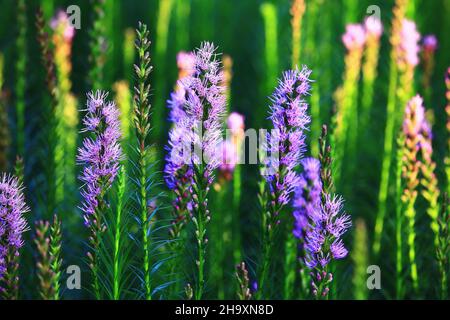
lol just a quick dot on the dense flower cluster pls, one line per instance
(12, 222)
(307, 196)
(101, 152)
(290, 119)
(196, 109)
(323, 238)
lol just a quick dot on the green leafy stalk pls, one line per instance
(97, 44)
(55, 257)
(243, 282)
(44, 271)
(52, 134)
(142, 125)
(393, 113)
(118, 242)
(20, 69)
(443, 248)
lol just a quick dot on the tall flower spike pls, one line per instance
(142, 112)
(100, 155)
(412, 127)
(285, 148)
(327, 225)
(401, 79)
(346, 117)
(201, 130)
(374, 29)
(12, 226)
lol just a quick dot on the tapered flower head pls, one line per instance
(12, 221)
(414, 120)
(327, 224)
(197, 108)
(290, 119)
(101, 151)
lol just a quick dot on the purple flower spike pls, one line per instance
(327, 224)
(290, 120)
(12, 222)
(307, 195)
(101, 153)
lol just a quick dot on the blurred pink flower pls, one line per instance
(61, 20)
(185, 63)
(409, 42)
(229, 156)
(354, 36)
(235, 122)
(373, 26)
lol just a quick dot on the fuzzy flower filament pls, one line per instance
(100, 155)
(12, 226)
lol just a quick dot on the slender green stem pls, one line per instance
(399, 221)
(118, 235)
(387, 157)
(236, 232)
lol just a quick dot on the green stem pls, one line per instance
(236, 234)
(398, 223)
(117, 235)
(387, 154)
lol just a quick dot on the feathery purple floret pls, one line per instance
(327, 224)
(101, 152)
(196, 110)
(307, 196)
(12, 222)
(288, 113)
